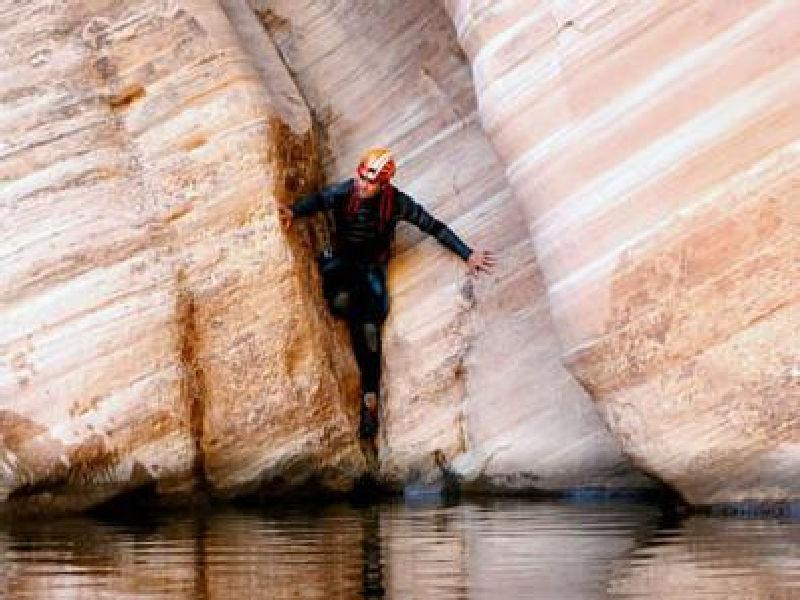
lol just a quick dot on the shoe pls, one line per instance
(368, 427)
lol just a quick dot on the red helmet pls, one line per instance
(377, 166)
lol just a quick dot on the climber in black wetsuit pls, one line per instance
(365, 211)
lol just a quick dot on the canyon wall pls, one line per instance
(155, 326)
(472, 364)
(655, 147)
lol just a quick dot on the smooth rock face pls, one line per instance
(656, 146)
(155, 325)
(472, 365)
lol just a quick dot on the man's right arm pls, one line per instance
(324, 199)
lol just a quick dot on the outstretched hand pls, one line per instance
(286, 217)
(481, 260)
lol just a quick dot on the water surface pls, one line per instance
(494, 550)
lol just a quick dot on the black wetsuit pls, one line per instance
(355, 278)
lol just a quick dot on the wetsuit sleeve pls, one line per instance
(324, 199)
(413, 212)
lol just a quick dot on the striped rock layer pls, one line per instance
(655, 147)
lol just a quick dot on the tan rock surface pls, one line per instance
(155, 323)
(472, 364)
(655, 148)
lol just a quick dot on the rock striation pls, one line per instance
(158, 329)
(655, 149)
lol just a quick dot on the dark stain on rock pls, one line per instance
(81, 407)
(272, 21)
(106, 67)
(295, 160)
(194, 383)
(89, 460)
(16, 429)
(468, 291)
(195, 26)
(126, 96)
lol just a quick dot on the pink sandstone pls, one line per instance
(654, 146)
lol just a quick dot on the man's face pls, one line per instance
(366, 188)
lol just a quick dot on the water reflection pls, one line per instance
(715, 558)
(501, 549)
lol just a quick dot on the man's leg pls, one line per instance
(377, 293)
(376, 306)
(366, 347)
(338, 287)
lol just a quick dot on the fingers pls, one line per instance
(485, 261)
(285, 217)
(479, 267)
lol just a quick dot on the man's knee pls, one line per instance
(341, 303)
(372, 337)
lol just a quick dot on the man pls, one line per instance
(366, 210)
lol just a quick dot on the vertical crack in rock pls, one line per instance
(296, 164)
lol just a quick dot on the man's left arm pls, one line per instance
(413, 212)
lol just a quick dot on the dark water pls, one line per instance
(493, 550)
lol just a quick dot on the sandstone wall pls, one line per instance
(154, 323)
(472, 364)
(155, 326)
(655, 148)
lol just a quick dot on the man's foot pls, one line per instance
(369, 448)
(368, 427)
